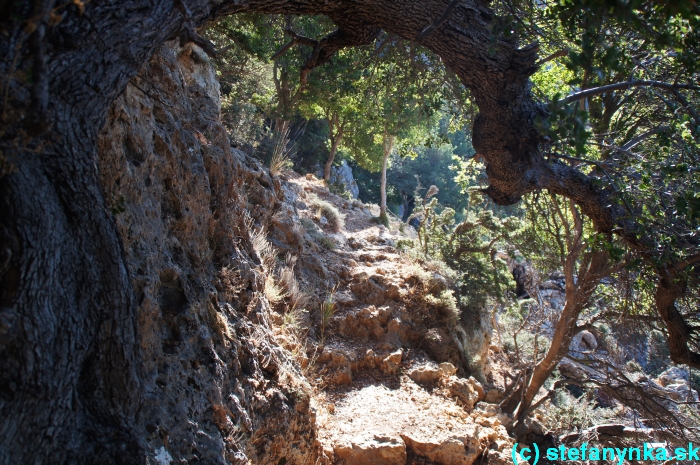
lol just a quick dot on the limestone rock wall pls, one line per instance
(217, 387)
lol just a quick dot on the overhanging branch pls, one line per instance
(621, 86)
(631, 144)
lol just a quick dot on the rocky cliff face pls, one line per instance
(188, 208)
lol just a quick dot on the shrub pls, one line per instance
(335, 219)
(446, 304)
(326, 242)
(570, 414)
(404, 244)
(328, 308)
(308, 225)
(381, 219)
(339, 189)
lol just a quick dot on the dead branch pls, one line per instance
(631, 144)
(616, 430)
(560, 53)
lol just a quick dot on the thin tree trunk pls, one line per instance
(561, 340)
(578, 292)
(331, 156)
(388, 145)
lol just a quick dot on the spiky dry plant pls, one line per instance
(265, 250)
(273, 291)
(281, 155)
(298, 299)
(328, 308)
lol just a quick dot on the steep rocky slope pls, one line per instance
(188, 207)
(232, 269)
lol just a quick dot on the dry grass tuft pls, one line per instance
(265, 250)
(328, 308)
(273, 291)
(281, 155)
(298, 299)
(220, 323)
(326, 209)
(326, 242)
(231, 282)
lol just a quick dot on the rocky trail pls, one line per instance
(392, 386)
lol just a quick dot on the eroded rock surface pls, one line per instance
(187, 205)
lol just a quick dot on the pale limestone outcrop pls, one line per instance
(456, 450)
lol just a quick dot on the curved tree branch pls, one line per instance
(632, 143)
(348, 34)
(621, 86)
(69, 250)
(188, 33)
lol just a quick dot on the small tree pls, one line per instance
(333, 96)
(586, 259)
(400, 101)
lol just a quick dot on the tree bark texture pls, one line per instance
(69, 358)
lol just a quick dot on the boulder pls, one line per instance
(469, 391)
(682, 392)
(447, 369)
(495, 395)
(342, 376)
(584, 341)
(390, 364)
(425, 374)
(673, 375)
(343, 175)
